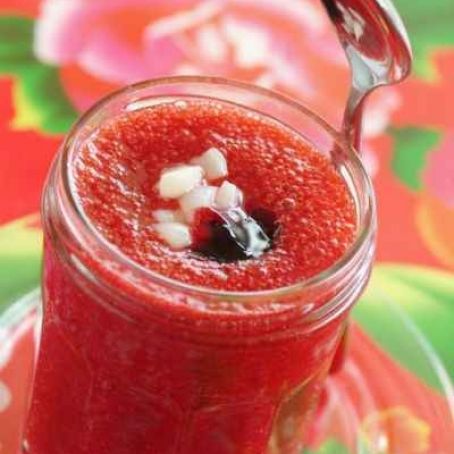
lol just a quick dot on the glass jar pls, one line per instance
(134, 362)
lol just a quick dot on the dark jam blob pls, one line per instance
(267, 221)
(215, 239)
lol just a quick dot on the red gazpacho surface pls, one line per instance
(116, 177)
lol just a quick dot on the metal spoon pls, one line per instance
(246, 232)
(379, 53)
(377, 48)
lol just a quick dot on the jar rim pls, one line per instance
(363, 234)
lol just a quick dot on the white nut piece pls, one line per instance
(213, 162)
(228, 196)
(175, 234)
(199, 197)
(169, 216)
(176, 181)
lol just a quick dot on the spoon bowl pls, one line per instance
(378, 50)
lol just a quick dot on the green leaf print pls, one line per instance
(20, 259)
(411, 147)
(39, 98)
(329, 447)
(403, 302)
(16, 38)
(430, 26)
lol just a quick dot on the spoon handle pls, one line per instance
(353, 118)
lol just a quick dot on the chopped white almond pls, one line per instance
(175, 234)
(199, 197)
(228, 196)
(168, 215)
(176, 181)
(213, 162)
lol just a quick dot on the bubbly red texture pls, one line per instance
(116, 173)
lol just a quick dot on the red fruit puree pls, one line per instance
(179, 373)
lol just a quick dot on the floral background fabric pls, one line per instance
(57, 57)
